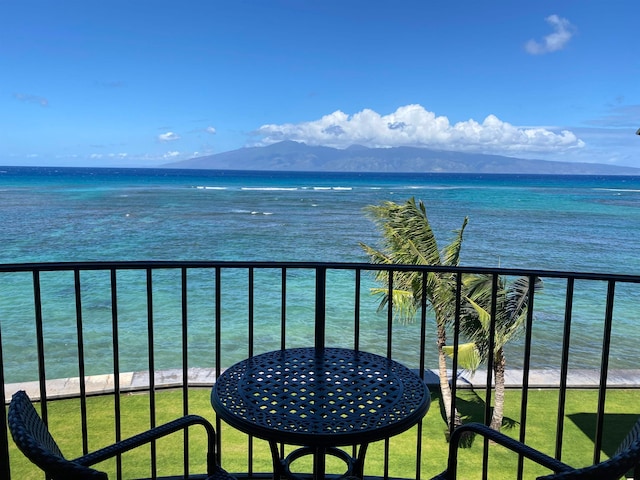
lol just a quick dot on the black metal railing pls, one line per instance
(179, 324)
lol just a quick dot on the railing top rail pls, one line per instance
(189, 264)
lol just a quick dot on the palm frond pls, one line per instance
(451, 253)
(376, 256)
(469, 357)
(484, 317)
(407, 239)
(404, 307)
(511, 303)
(518, 294)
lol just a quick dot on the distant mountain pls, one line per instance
(294, 156)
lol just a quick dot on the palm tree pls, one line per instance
(511, 306)
(408, 239)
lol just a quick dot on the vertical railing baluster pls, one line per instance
(218, 320)
(81, 370)
(389, 354)
(526, 368)
(152, 370)
(490, 355)
(116, 366)
(423, 324)
(218, 342)
(604, 369)
(185, 364)
(421, 365)
(456, 346)
(42, 377)
(356, 326)
(250, 310)
(283, 309)
(184, 311)
(356, 310)
(250, 334)
(5, 470)
(283, 320)
(390, 307)
(321, 307)
(564, 366)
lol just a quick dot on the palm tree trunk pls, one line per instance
(445, 387)
(498, 405)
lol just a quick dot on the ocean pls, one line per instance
(566, 223)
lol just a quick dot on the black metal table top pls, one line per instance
(320, 397)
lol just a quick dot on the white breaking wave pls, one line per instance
(631, 190)
(270, 188)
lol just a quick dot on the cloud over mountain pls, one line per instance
(414, 126)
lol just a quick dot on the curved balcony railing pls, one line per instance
(82, 329)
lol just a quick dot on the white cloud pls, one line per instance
(210, 130)
(172, 154)
(25, 97)
(412, 125)
(98, 156)
(168, 137)
(563, 31)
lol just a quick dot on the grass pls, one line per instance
(579, 432)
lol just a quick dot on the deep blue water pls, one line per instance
(572, 223)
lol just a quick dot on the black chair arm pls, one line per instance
(154, 434)
(501, 439)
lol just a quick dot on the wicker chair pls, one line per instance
(626, 457)
(34, 440)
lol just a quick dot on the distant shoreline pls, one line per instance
(633, 171)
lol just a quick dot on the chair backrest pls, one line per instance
(34, 440)
(626, 458)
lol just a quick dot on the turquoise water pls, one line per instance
(571, 223)
(564, 223)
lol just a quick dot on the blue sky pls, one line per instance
(141, 83)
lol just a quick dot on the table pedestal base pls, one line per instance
(282, 467)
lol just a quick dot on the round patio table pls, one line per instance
(320, 399)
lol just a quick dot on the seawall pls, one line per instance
(205, 378)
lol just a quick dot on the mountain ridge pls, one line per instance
(295, 156)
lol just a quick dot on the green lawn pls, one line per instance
(578, 434)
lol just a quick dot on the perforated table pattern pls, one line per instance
(320, 397)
